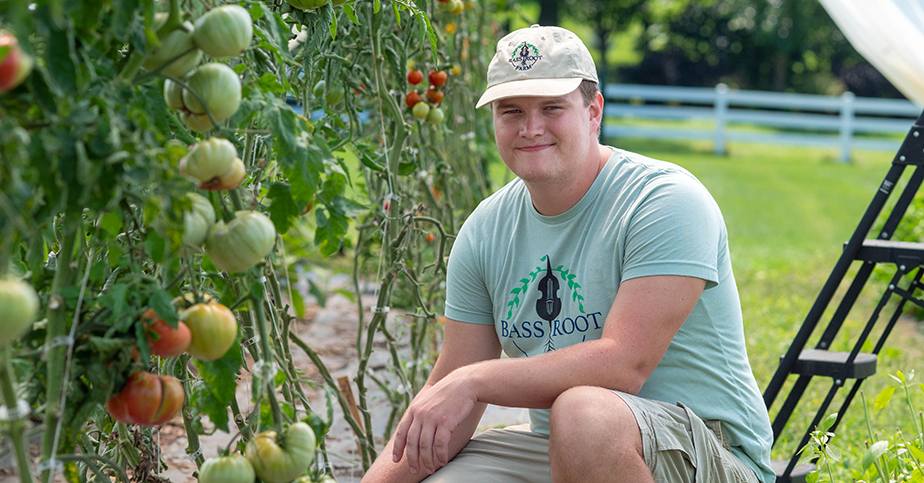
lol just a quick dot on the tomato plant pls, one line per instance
(147, 399)
(104, 213)
(213, 329)
(15, 65)
(280, 458)
(233, 468)
(308, 4)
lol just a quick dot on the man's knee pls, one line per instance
(582, 412)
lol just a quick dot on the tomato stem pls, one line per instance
(17, 425)
(181, 371)
(65, 275)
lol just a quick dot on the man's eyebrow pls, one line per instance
(504, 104)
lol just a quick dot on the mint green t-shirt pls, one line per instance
(547, 282)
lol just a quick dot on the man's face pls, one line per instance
(544, 139)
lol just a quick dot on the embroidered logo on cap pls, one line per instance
(524, 56)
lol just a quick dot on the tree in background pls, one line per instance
(774, 45)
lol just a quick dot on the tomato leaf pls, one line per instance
(283, 209)
(213, 394)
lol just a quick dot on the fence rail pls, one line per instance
(828, 121)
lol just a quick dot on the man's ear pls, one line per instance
(596, 110)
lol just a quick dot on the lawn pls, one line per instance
(788, 212)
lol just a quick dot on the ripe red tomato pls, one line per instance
(412, 98)
(147, 399)
(437, 78)
(213, 328)
(165, 341)
(15, 65)
(430, 237)
(415, 77)
(434, 95)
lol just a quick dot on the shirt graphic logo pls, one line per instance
(524, 56)
(547, 286)
(549, 304)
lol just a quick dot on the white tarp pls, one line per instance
(890, 35)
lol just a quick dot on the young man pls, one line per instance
(605, 277)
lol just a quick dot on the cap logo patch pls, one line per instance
(524, 56)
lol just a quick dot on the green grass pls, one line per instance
(788, 212)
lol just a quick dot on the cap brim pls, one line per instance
(529, 88)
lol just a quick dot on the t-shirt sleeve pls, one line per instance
(467, 297)
(676, 229)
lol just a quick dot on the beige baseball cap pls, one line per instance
(538, 61)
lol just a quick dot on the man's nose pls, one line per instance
(533, 125)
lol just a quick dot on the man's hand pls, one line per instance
(424, 432)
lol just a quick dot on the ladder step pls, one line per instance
(798, 473)
(817, 362)
(910, 254)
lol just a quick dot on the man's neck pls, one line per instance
(552, 199)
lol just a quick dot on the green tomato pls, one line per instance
(233, 468)
(241, 243)
(213, 329)
(197, 220)
(308, 4)
(19, 305)
(173, 95)
(282, 459)
(215, 164)
(173, 44)
(435, 115)
(334, 95)
(224, 31)
(421, 110)
(218, 86)
(318, 89)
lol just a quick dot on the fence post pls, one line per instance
(721, 113)
(847, 115)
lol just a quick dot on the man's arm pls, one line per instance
(463, 344)
(646, 314)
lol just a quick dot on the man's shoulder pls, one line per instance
(641, 165)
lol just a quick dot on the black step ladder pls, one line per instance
(907, 258)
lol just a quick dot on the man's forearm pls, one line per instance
(536, 382)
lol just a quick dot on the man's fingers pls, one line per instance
(412, 447)
(441, 445)
(400, 439)
(425, 444)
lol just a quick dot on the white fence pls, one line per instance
(825, 121)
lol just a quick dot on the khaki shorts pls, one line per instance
(678, 447)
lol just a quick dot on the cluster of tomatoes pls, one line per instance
(426, 106)
(214, 88)
(206, 331)
(454, 7)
